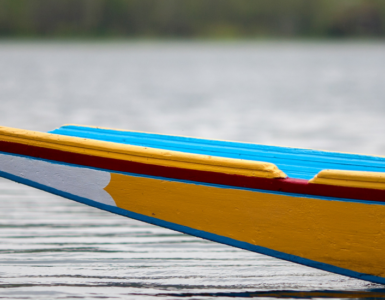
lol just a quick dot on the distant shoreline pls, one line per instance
(192, 19)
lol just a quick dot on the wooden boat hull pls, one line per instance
(264, 213)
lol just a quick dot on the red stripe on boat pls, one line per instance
(288, 185)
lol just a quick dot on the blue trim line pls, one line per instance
(199, 233)
(222, 186)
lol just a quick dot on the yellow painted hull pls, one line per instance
(292, 204)
(344, 234)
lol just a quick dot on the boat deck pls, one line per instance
(295, 162)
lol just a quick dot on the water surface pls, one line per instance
(314, 95)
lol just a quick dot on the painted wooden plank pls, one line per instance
(296, 163)
(368, 180)
(288, 185)
(82, 182)
(141, 154)
(341, 233)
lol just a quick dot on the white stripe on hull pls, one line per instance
(82, 182)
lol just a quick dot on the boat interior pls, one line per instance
(297, 163)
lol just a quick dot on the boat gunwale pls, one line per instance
(295, 162)
(289, 185)
(140, 153)
(248, 145)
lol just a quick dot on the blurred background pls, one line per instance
(192, 18)
(291, 72)
(299, 73)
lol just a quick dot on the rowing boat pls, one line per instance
(317, 208)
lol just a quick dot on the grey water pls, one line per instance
(324, 95)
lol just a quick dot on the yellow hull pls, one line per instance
(320, 209)
(344, 234)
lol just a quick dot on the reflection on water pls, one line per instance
(312, 95)
(372, 294)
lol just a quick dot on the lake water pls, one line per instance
(324, 95)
